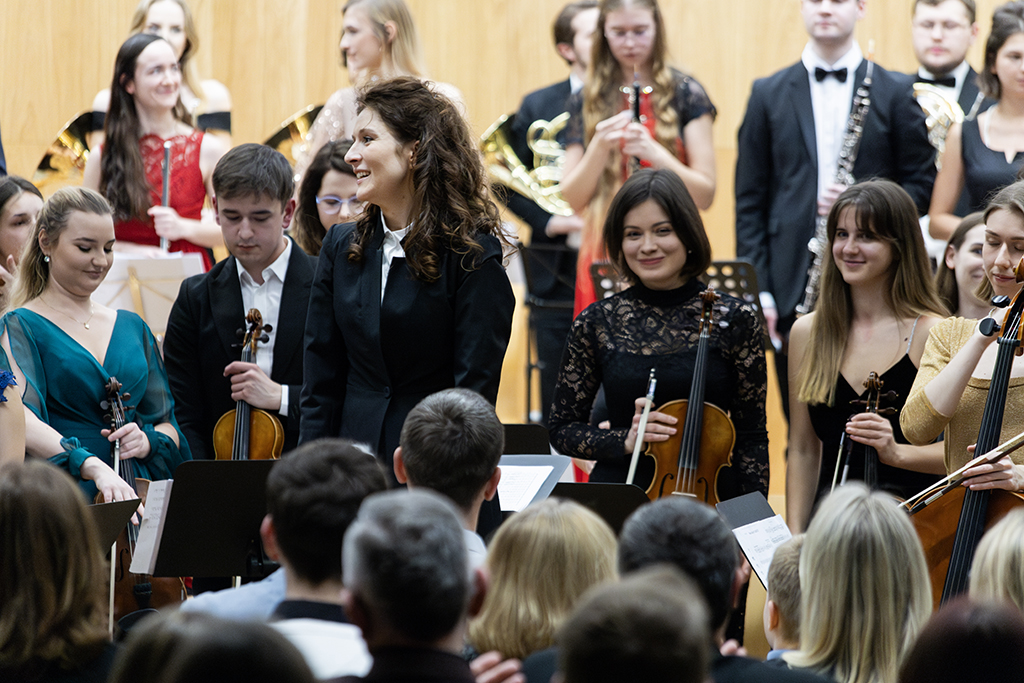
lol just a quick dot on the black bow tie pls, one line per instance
(948, 81)
(821, 74)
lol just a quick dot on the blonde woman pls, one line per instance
(998, 569)
(378, 41)
(540, 562)
(866, 593)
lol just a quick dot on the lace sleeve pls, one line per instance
(692, 101)
(578, 381)
(746, 350)
(574, 127)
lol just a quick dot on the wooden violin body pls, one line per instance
(712, 479)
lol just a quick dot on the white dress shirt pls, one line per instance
(266, 298)
(390, 250)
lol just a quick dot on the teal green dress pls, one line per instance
(65, 386)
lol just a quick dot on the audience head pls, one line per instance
(962, 270)
(406, 571)
(646, 202)
(652, 626)
(451, 442)
(71, 212)
(379, 37)
(20, 203)
(327, 196)
(195, 647)
(943, 31)
(1007, 34)
(574, 29)
(967, 641)
(52, 573)
(313, 494)
(540, 562)
(691, 536)
(426, 165)
(997, 572)
(865, 585)
(1004, 229)
(782, 606)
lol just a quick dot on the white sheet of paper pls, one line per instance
(759, 540)
(152, 527)
(519, 484)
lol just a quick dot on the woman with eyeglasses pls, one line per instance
(603, 142)
(327, 196)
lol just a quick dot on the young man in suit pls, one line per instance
(266, 270)
(788, 153)
(552, 265)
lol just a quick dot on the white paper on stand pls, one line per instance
(519, 484)
(759, 540)
(152, 527)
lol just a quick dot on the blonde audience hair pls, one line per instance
(189, 74)
(784, 579)
(541, 561)
(866, 592)
(884, 210)
(403, 51)
(33, 269)
(997, 572)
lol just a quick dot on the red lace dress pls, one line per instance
(187, 192)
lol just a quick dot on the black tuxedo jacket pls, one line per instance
(368, 363)
(202, 339)
(777, 170)
(554, 275)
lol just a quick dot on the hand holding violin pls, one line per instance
(250, 384)
(659, 426)
(134, 442)
(871, 429)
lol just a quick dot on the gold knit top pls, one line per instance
(922, 424)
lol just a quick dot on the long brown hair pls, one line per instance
(452, 201)
(945, 278)
(123, 178)
(883, 209)
(51, 571)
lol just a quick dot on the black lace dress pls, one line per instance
(616, 342)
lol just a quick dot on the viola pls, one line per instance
(132, 595)
(248, 433)
(951, 528)
(871, 403)
(696, 460)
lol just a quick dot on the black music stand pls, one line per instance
(613, 503)
(212, 525)
(111, 519)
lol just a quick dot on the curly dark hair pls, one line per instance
(452, 201)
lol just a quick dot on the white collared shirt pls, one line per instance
(266, 298)
(575, 83)
(830, 102)
(390, 250)
(959, 73)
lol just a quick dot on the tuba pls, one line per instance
(941, 112)
(541, 185)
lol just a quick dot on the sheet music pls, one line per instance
(519, 484)
(759, 540)
(152, 527)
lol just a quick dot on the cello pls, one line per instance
(249, 433)
(696, 460)
(132, 596)
(951, 527)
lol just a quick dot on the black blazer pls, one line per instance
(201, 340)
(777, 170)
(368, 363)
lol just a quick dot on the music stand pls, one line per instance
(212, 525)
(148, 286)
(111, 519)
(613, 503)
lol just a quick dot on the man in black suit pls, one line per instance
(552, 266)
(266, 270)
(788, 153)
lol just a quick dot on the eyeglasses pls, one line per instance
(945, 26)
(331, 205)
(621, 35)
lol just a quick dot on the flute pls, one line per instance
(165, 197)
(648, 402)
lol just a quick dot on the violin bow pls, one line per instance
(648, 402)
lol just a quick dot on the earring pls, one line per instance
(46, 259)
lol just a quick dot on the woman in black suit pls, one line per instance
(412, 298)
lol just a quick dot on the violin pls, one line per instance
(248, 433)
(952, 526)
(132, 595)
(871, 403)
(696, 460)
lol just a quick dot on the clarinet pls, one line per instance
(818, 244)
